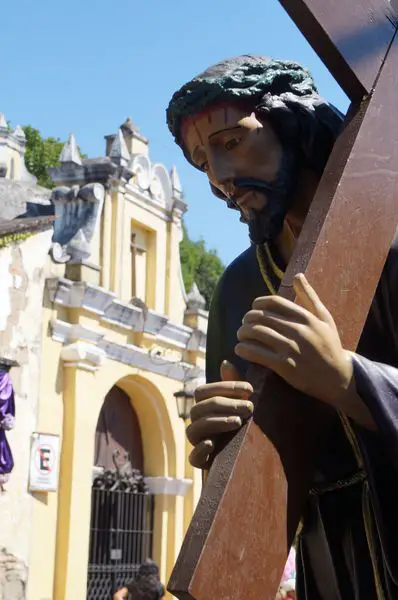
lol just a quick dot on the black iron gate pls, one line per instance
(120, 532)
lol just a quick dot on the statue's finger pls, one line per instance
(282, 307)
(228, 372)
(218, 406)
(200, 455)
(210, 427)
(309, 299)
(229, 389)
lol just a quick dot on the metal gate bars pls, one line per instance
(120, 532)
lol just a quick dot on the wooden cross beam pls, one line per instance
(241, 532)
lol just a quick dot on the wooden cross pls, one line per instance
(241, 532)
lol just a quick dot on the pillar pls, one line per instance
(81, 409)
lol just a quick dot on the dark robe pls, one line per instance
(348, 545)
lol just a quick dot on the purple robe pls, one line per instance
(7, 418)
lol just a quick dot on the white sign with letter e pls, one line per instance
(44, 463)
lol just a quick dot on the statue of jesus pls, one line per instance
(262, 135)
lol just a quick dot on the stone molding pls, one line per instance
(168, 486)
(150, 181)
(128, 354)
(104, 304)
(83, 356)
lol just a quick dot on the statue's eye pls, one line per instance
(232, 143)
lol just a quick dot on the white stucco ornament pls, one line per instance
(156, 189)
(168, 486)
(152, 179)
(78, 212)
(83, 355)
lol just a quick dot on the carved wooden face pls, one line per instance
(229, 143)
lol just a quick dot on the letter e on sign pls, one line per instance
(44, 463)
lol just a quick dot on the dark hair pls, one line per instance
(148, 568)
(282, 92)
(146, 585)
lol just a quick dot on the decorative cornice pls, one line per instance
(180, 335)
(104, 304)
(83, 356)
(64, 332)
(126, 480)
(197, 341)
(143, 200)
(128, 354)
(142, 359)
(168, 486)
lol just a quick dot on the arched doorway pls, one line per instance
(118, 433)
(121, 508)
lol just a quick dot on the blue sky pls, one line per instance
(84, 66)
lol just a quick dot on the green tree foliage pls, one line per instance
(200, 265)
(41, 153)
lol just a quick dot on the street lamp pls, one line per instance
(185, 401)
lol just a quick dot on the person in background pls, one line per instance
(287, 588)
(146, 586)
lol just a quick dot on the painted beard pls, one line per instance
(266, 224)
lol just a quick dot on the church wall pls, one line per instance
(164, 290)
(155, 229)
(92, 338)
(10, 154)
(106, 242)
(71, 401)
(45, 508)
(95, 257)
(22, 280)
(175, 302)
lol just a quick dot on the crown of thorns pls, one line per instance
(272, 87)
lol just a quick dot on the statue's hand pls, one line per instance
(299, 343)
(220, 408)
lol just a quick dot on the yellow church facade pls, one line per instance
(119, 338)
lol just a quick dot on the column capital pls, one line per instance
(82, 355)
